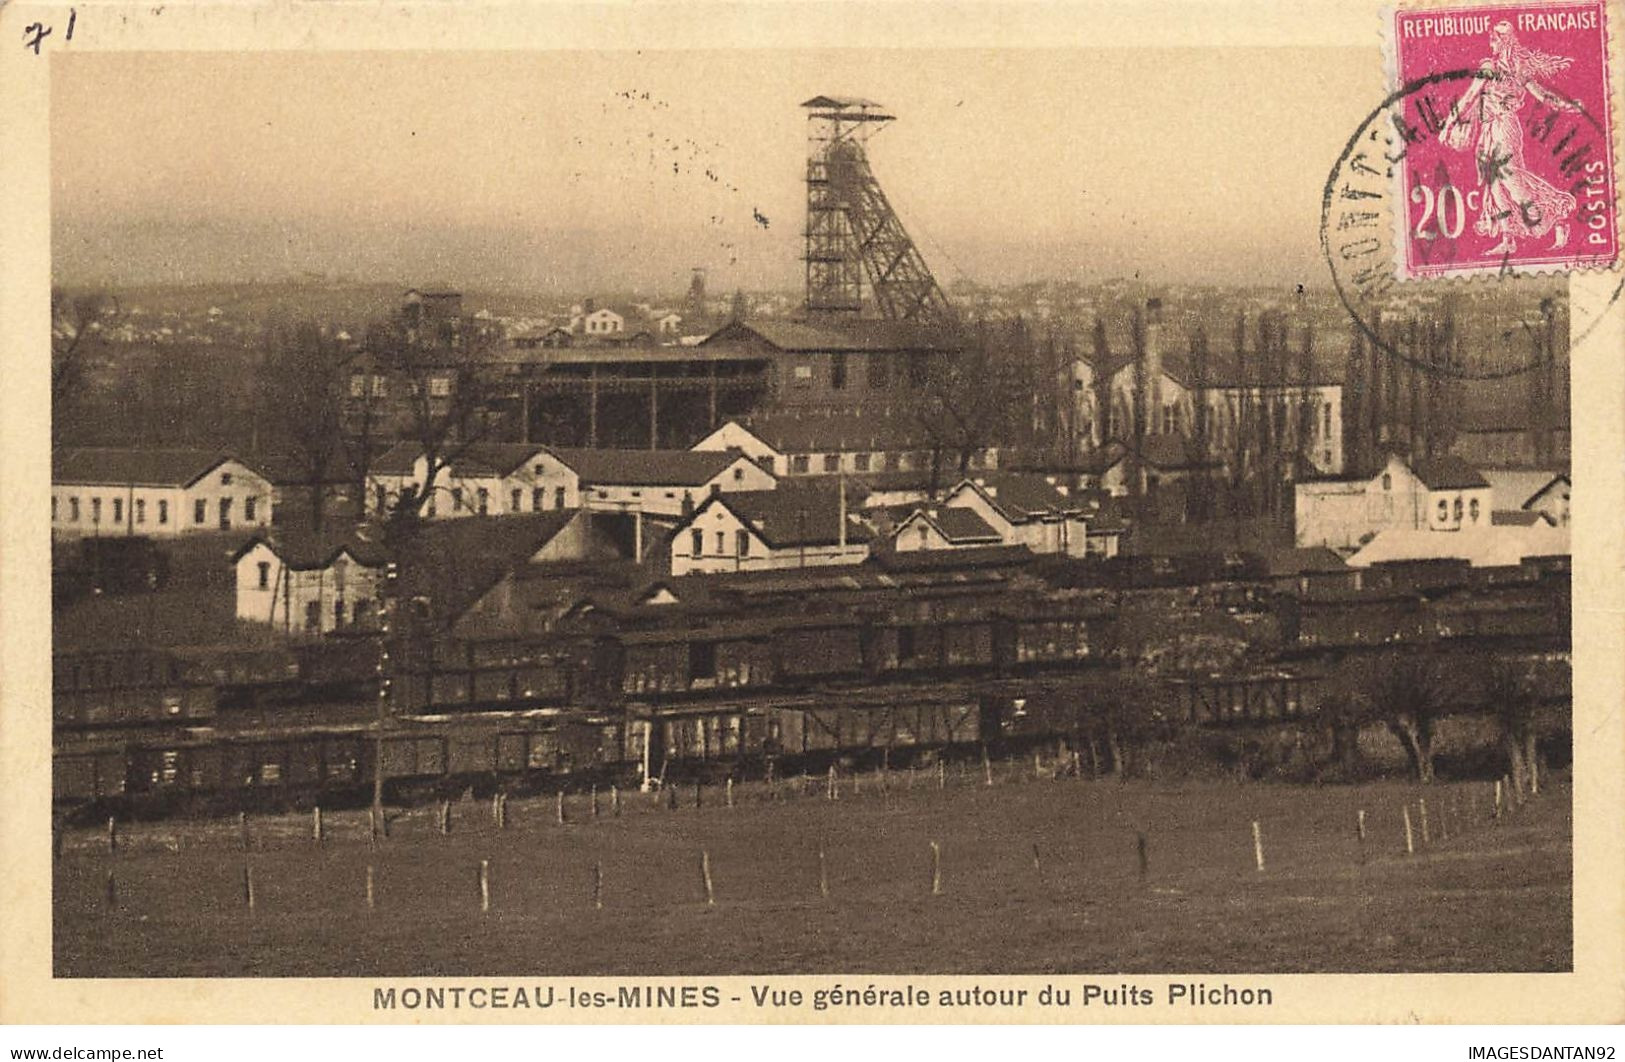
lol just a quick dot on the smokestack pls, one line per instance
(1153, 366)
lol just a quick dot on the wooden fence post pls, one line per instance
(112, 834)
(317, 833)
(987, 766)
(1444, 817)
(1422, 810)
(598, 885)
(823, 875)
(829, 792)
(1038, 866)
(1359, 825)
(372, 901)
(1258, 847)
(942, 774)
(558, 807)
(936, 869)
(1498, 799)
(248, 884)
(595, 800)
(1038, 766)
(705, 874)
(730, 791)
(614, 800)
(698, 784)
(110, 891)
(242, 830)
(485, 885)
(1410, 845)
(1142, 844)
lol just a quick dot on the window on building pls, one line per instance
(742, 543)
(265, 574)
(516, 500)
(358, 386)
(837, 372)
(313, 615)
(225, 479)
(456, 499)
(798, 464)
(1387, 481)
(1326, 420)
(1444, 509)
(558, 497)
(484, 501)
(53, 508)
(250, 508)
(922, 533)
(1472, 510)
(141, 510)
(804, 372)
(95, 510)
(439, 386)
(832, 462)
(702, 660)
(697, 543)
(538, 499)
(380, 387)
(118, 510)
(225, 514)
(861, 462)
(163, 512)
(338, 612)
(739, 473)
(722, 542)
(894, 461)
(879, 372)
(73, 510)
(1458, 509)
(200, 511)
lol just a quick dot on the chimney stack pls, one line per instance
(1153, 366)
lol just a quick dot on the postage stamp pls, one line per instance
(1509, 162)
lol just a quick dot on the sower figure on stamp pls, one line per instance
(1516, 202)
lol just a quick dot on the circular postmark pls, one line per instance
(1360, 217)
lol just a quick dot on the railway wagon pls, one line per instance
(88, 774)
(719, 656)
(124, 687)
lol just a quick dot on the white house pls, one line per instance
(938, 527)
(600, 322)
(663, 483)
(158, 492)
(1026, 510)
(734, 436)
(486, 479)
(816, 442)
(1490, 546)
(1427, 494)
(792, 527)
(309, 585)
(1522, 490)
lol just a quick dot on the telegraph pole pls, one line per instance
(386, 607)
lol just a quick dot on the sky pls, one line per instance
(569, 171)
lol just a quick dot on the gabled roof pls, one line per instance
(1303, 560)
(398, 460)
(495, 459)
(648, 468)
(956, 525)
(796, 514)
(157, 467)
(1514, 488)
(455, 562)
(304, 550)
(1022, 496)
(1171, 453)
(1447, 472)
(1517, 518)
(806, 338)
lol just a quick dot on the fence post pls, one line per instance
(248, 884)
(705, 873)
(242, 829)
(614, 800)
(595, 800)
(1410, 845)
(829, 792)
(1258, 847)
(558, 807)
(1359, 825)
(112, 833)
(942, 774)
(1142, 844)
(730, 791)
(1444, 817)
(110, 891)
(485, 885)
(987, 766)
(371, 898)
(936, 869)
(698, 784)
(1038, 866)
(598, 885)
(1498, 800)
(317, 833)
(823, 875)
(1422, 809)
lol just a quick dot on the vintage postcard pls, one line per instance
(801, 513)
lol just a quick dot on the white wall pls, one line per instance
(140, 507)
(284, 597)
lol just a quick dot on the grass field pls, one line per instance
(1036, 876)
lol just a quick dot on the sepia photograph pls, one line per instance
(1068, 528)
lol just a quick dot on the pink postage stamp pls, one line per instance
(1508, 162)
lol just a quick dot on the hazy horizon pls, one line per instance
(569, 171)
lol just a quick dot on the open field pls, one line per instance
(1490, 897)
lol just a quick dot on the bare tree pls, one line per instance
(76, 325)
(300, 384)
(973, 388)
(1512, 697)
(1407, 692)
